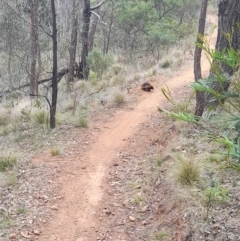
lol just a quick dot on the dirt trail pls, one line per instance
(81, 177)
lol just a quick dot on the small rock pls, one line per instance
(36, 232)
(131, 218)
(25, 234)
(54, 208)
(13, 236)
(144, 222)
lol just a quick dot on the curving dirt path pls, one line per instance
(80, 179)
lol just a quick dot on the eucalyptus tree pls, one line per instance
(13, 45)
(83, 69)
(73, 44)
(147, 27)
(53, 106)
(197, 58)
(228, 37)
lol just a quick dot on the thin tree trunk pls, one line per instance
(93, 30)
(10, 60)
(228, 20)
(73, 47)
(83, 71)
(53, 106)
(33, 48)
(39, 61)
(109, 30)
(197, 59)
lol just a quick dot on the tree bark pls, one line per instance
(93, 30)
(33, 48)
(197, 59)
(73, 46)
(228, 20)
(53, 106)
(83, 71)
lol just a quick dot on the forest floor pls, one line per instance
(113, 180)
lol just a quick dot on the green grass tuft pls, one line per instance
(166, 64)
(40, 117)
(82, 122)
(7, 163)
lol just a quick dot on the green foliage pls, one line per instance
(40, 117)
(155, 24)
(21, 210)
(215, 195)
(137, 200)
(161, 236)
(166, 64)
(99, 62)
(223, 127)
(7, 163)
(82, 122)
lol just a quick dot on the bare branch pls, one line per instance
(98, 5)
(50, 35)
(94, 92)
(98, 17)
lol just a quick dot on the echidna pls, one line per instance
(146, 86)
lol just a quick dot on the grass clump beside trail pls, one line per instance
(40, 117)
(55, 151)
(7, 163)
(118, 98)
(188, 172)
(82, 122)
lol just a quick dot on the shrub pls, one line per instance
(99, 62)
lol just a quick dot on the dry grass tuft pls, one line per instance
(118, 98)
(82, 122)
(55, 151)
(188, 172)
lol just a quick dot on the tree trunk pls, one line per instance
(73, 46)
(197, 59)
(10, 53)
(53, 106)
(83, 71)
(33, 48)
(109, 31)
(228, 20)
(93, 30)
